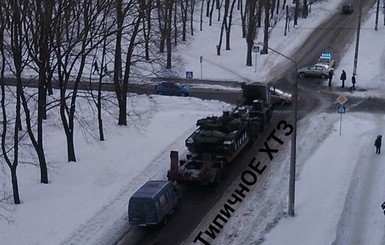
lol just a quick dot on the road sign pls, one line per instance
(189, 74)
(256, 48)
(341, 109)
(342, 99)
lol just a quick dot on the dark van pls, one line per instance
(153, 203)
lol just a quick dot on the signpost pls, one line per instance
(189, 74)
(341, 109)
(256, 51)
(201, 61)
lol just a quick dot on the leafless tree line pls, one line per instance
(65, 40)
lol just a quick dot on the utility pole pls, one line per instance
(293, 154)
(377, 13)
(357, 39)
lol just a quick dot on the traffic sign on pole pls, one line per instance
(189, 74)
(342, 99)
(341, 109)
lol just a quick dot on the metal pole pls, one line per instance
(293, 153)
(340, 122)
(357, 39)
(201, 61)
(255, 70)
(293, 149)
(377, 13)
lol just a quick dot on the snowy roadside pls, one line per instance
(110, 222)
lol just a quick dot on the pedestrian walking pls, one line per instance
(377, 144)
(343, 78)
(96, 67)
(330, 77)
(353, 87)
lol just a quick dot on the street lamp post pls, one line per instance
(357, 39)
(293, 136)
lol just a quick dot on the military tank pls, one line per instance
(217, 141)
(216, 135)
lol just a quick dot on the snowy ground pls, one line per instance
(340, 183)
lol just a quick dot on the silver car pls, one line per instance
(317, 70)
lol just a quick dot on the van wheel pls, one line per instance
(177, 206)
(225, 170)
(165, 219)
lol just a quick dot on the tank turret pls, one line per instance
(217, 134)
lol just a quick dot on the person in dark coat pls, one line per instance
(96, 67)
(353, 87)
(383, 207)
(377, 144)
(343, 78)
(330, 77)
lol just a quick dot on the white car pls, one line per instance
(326, 59)
(279, 97)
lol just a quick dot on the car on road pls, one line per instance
(277, 96)
(171, 88)
(153, 203)
(326, 58)
(317, 70)
(347, 8)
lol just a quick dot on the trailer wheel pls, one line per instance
(177, 206)
(165, 219)
(218, 177)
(225, 170)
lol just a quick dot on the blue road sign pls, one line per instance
(341, 109)
(189, 74)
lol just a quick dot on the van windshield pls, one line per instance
(140, 206)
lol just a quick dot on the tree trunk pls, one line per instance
(15, 185)
(266, 28)
(170, 4)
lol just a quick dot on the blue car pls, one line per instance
(153, 203)
(170, 88)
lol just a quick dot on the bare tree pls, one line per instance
(266, 27)
(37, 35)
(229, 23)
(296, 10)
(16, 49)
(192, 8)
(184, 6)
(169, 8)
(251, 20)
(136, 12)
(75, 29)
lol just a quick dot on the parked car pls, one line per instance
(152, 203)
(279, 97)
(170, 88)
(326, 58)
(347, 8)
(317, 70)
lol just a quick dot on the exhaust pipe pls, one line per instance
(174, 156)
